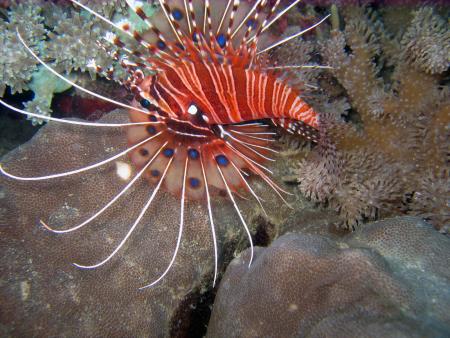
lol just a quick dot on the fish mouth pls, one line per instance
(188, 129)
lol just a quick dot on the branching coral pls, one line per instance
(426, 43)
(16, 64)
(396, 144)
(79, 33)
(431, 198)
(63, 36)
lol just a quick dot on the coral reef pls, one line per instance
(385, 117)
(395, 142)
(388, 279)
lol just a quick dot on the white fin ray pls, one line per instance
(246, 18)
(136, 222)
(293, 36)
(258, 199)
(116, 26)
(247, 230)
(180, 230)
(80, 170)
(78, 123)
(266, 25)
(211, 220)
(123, 191)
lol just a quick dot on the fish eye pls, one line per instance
(192, 110)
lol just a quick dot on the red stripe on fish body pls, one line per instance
(228, 94)
(204, 85)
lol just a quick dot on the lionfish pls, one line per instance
(195, 124)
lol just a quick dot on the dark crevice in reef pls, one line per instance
(13, 133)
(265, 232)
(192, 316)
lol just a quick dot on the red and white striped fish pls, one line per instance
(195, 124)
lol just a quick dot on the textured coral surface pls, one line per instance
(39, 284)
(391, 279)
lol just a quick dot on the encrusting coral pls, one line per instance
(64, 299)
(392, 156)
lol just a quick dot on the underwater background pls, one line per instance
(364, 252)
